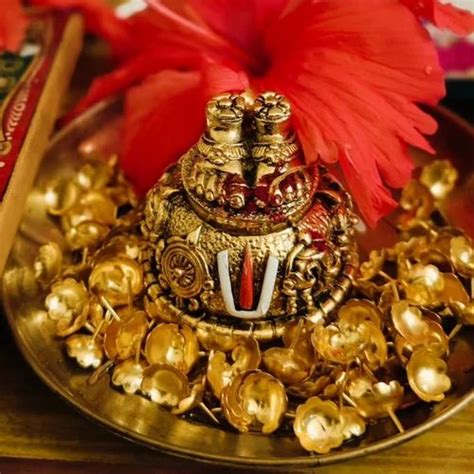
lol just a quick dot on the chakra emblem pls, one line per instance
(183, 269)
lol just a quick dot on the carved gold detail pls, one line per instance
(183, 269)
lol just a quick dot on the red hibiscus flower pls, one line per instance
(352, 70)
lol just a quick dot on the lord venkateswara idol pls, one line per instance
(242, 236)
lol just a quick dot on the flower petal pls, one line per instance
(443, 15)
(13, 23)
(134, 70)
(241, 21)
(353, 72)
(164, 117)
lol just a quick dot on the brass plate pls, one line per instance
(138, 419)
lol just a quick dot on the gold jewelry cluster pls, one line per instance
(326, 377)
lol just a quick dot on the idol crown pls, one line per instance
(248, 162)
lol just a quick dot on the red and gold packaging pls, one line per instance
(32, 84)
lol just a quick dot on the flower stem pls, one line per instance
(368, 371)
(97, 330)
(85, 252)
(100, 372)
(395, 420)
(349, 400)
(386, 276)
(394, 287)
(129, 293)
(109, 307)
(209, 413)
(299, 329)
(455, 330)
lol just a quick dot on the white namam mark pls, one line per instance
(268, 286)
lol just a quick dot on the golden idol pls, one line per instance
(241, 236)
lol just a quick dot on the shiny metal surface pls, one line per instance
(138, 419)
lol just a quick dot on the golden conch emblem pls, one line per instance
(243, 237)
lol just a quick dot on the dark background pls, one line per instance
(460, 98)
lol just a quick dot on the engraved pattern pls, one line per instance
(183, 270)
